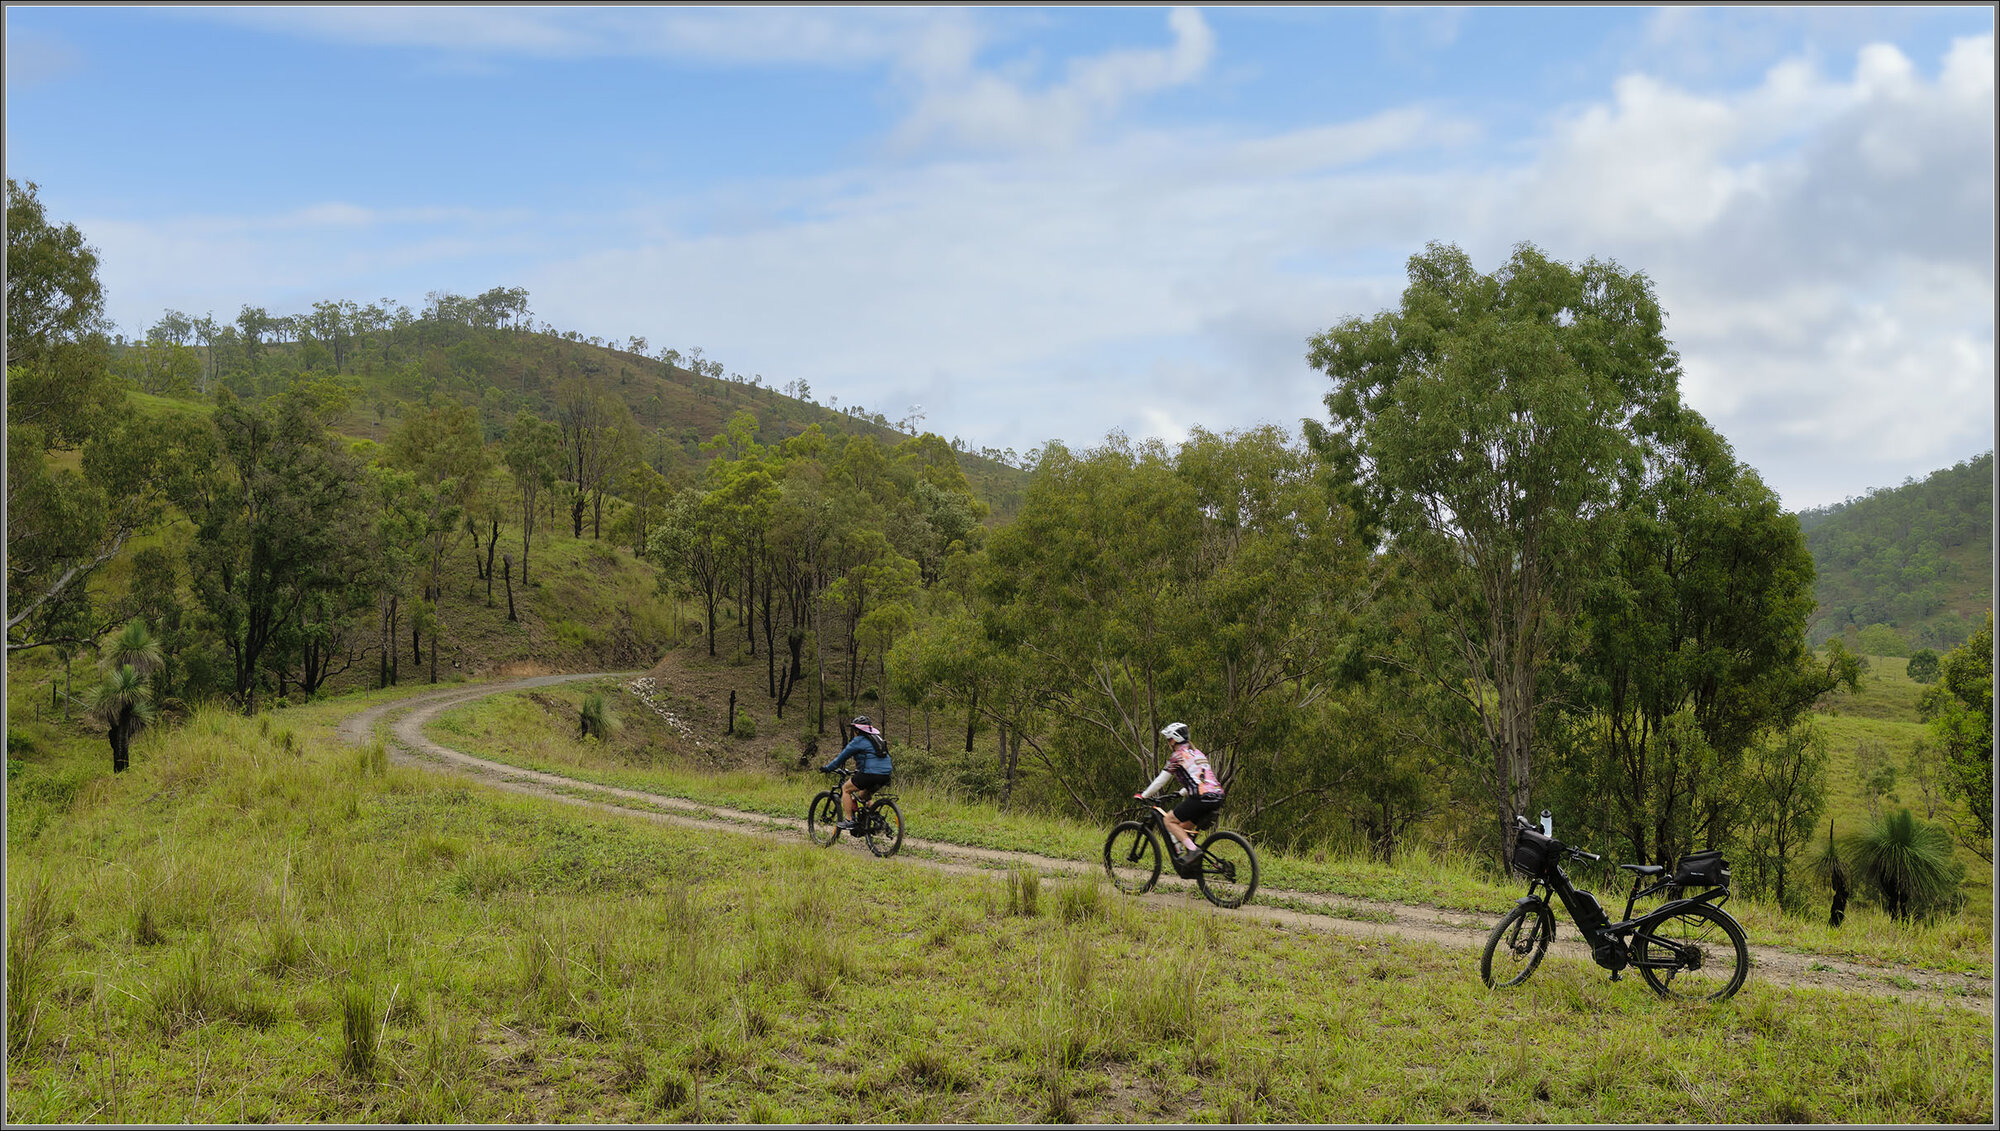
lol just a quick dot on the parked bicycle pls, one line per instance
(1686, 948)
(1225, 868)
(877, 821)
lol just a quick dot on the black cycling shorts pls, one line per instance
(870, 782)
(1195, 811)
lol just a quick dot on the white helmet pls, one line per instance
(1174, 732)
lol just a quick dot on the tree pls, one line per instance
(1785, 784)
(58, 357)
(1691, 650)
(533, 452)
(687, 546)
(275, 524)
(443, 447)
(598, 440)
(1484, 421)
(1923, 666)
(64, 523)
(1959, 709)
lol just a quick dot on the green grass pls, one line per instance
(258, 925)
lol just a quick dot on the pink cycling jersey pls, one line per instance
(1195, 774)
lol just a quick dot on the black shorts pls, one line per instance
(1194, 811)
(869, 783)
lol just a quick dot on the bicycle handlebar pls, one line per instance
(1568, 849)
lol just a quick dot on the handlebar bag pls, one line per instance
(1534, 853)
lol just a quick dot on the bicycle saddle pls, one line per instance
(1643, 869)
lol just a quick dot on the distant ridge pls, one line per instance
(1905, 567)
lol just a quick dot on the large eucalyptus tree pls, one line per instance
(1485, 421)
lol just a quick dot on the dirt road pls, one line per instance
(1359, 920)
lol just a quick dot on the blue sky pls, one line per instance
(1049, 223)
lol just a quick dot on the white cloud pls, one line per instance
(963, 104)
(1824, 249)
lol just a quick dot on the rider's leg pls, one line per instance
(1183, 834)
(847, 799)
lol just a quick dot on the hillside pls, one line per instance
(1916, 560)
(677, 403)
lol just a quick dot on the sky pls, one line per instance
(1032, 224)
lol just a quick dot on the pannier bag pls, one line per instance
(1702, 870)
(1534, 853)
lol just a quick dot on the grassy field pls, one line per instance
(259, 925)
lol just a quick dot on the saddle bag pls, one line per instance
(1701, 870)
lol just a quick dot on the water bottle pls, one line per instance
(1548, 823)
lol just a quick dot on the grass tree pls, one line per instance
(594, 718)
(135, 645)
(123, 703)
(1904, 862)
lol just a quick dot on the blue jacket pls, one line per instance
(866, 759)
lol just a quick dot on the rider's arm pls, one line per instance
(845, 753)
(1165, 777)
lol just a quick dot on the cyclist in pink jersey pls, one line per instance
(1198, 781)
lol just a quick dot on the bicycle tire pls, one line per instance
(1227, 870)
(820, 818)
(885, 827)
(1132, 857)
(1524, 948)
(1692, 931)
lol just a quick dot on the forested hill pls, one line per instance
(487, 352)
(1906, 567)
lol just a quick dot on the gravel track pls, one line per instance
(1354, 922)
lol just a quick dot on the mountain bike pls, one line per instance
(1224, 865)
(1686, 948)
(877, 821)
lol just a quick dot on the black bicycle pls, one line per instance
(1686, 948)
(1225, 867)
(877, 821)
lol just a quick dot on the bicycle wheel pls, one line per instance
(1697, 953)
(885, 828)
(1516, 945)
(1228, 870)
(820, 818)
(1132, 858)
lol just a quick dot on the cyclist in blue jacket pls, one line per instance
(870, 752)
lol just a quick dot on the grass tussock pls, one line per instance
(1024, 892)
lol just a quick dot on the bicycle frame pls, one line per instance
(861, 796)
(1615, 934)
(1158, 817)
